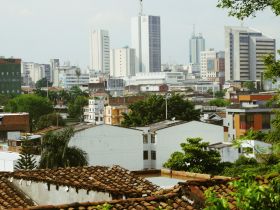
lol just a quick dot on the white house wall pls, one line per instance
(111, 145)
(39, 193)
(168, 140)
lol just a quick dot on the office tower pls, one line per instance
(212, 65)
(100, 51)
(33, 72)
(245, 49)
(10, 76)
(196, 45)
(122, 62)
(146, 40)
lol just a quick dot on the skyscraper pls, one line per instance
(245, 49)
(197, 45)
(122, 62)
(100, 51)
(146, 40)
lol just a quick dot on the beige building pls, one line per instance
(113, 114)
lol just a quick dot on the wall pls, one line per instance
(39, 193)
(111, 145)
(8, 160)
(168, 140)
(15, 122)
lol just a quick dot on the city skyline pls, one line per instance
(38, 31)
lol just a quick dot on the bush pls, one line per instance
(49, 120)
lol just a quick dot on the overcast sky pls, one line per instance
(38, 30)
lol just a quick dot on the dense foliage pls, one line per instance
(35, 105)
(219, 102)
(43, 83)
(153, 108)
(50, 119)
(196, 157)
(249, 194)
(246, 8)
(57, 153)
(75, 108)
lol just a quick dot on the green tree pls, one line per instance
(35, 105)
(196, 157)
(75, 108)
(246, 8)
(57, 153)
(248, 194)
(78, 74)
(49, 120)
(153, 109)
(219, 102)
(26, 160)
(249, 85)
(43, 83)
(219, 94)
(4, 99)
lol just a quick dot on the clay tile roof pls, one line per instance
(114, 180)
(10, 197)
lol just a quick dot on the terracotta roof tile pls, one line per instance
(115, 180)
(10, 197)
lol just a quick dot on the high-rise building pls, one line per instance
(245, 49)
(146, 40)
(10, 76)
(33, 72)
(196, 46)
(212, 65)
(100, 51)
(122, 62)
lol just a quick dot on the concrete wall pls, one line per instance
(8, 160)
(111, 145)
(39, 193)
(168, 140)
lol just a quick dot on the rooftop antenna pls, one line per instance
(141, 8)
(193, 29)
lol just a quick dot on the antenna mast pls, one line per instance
(141, 7)
(193, 29)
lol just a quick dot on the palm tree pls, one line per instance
(78, 74)
(56, 152)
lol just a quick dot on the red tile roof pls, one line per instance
(10, 197)
(115, 180)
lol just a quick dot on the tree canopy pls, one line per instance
(35, 105)
(153, 109)
(43, 83)
(57, 153)
(245, 8)
(26, 159)
(196, 157)
(219, 102)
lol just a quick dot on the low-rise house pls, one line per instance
(141, 148)
(11, 124)
(68, 185)
(113, 115)
(93, 113)
(247, 115)
(247, 148)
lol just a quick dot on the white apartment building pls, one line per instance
(33, 72)
(100, 51)
(146, 40)
(141, 148)
(244, 52)
(122, 62)
(155, 78)
(94, 112)
(208, 66)
(66, 77)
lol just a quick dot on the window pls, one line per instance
(266, 121)
(246, 121)
(153, 155)
(145, 138)
(153, 138)
(145, 155)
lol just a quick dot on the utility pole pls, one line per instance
(141, 8)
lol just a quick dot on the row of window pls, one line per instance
(146, 155)
(146, 141)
